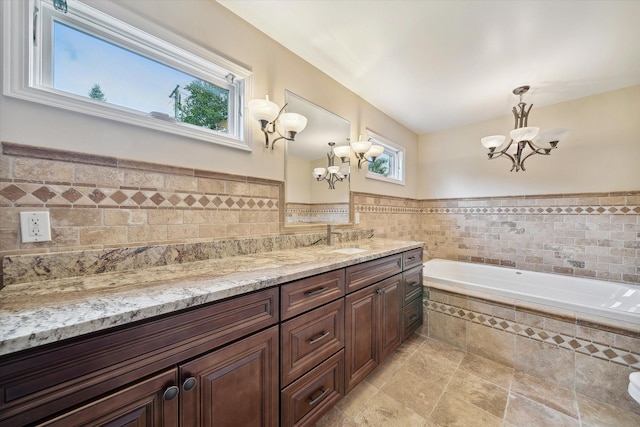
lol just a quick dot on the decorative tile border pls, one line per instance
(588, 347)
(537, 210)
(76, 195)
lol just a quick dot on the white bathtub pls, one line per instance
(594, 297)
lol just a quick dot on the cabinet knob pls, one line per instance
(170, 393)
(380, 291)
(189, 384)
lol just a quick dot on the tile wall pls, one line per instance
(98, 202)
(594, 360)
(337, 213)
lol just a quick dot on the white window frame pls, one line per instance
(396, 152)
(23, 77)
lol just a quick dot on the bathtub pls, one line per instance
(599, 298)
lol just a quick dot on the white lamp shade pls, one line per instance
(342, 151)
(263, 109)
(333, 169)
(493, 141)
(547, 136)
(318, 172)
(524, 134)
(375, 151)
(361, 147)
(292, 122)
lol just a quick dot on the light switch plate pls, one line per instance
(35, 226)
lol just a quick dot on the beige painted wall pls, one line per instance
(602, 153)
(274, 70)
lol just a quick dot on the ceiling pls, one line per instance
(434, 65)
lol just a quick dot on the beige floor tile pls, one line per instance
(481, 393)
(336, 418)
(548, 394)
(524, 412)
(594, 413)
(416, 393)
(385, 372)
(453, 412)
(354, 401)
(383, 410)
(487, 369)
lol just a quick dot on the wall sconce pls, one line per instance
(365, 152)
(525, 140)
(273, 120)
(333, 173)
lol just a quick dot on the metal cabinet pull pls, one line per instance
(380, 291)
(189, 384)
(413, 317)
(317, 291)
(411, 258)
(414, 284)
(170, 393)
(321, 337)
(319, 398)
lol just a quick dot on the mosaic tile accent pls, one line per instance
(524, 210)
(581, 345)
(320, 212)
(79, 195)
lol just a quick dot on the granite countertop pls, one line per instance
(42, 312)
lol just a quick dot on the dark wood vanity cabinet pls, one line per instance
(244, 361)
(375, 313)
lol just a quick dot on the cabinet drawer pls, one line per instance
(33, 382)
(411, 258)
(307, 399)
(367, 273)
(411, 284)
(412, 317)
(306, 294)
(309, 339)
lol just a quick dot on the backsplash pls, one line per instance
(337, 213)
(98, 202)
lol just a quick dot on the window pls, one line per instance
(86, 60)
(389, 166)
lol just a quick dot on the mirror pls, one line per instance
(307, 200)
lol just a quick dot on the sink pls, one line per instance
(348, 251)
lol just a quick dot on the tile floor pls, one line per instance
(430, 383)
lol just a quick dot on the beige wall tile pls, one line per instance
(102, 235)
(198, 217)
(543, 360)
(181, 183)
(212, 231)
(490, 343)
(99, 175)
(6, 167)
(70, 217)
(147, 233)
(449, 329)
(9, 240)
(239, 229)
(210, 186)
(42, 170)
(142, 179)
(178, 232)
(165, 216)
(236, 188)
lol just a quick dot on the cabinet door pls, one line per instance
(361, 338)
(234, 386)
(149, 403)
(390, 325)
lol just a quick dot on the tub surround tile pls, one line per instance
(41, 312)
(490, 343)
(544, 361)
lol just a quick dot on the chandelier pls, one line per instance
(525, 140)
(333, 173)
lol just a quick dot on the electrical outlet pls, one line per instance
(35, 226)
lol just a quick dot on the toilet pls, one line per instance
(634, 386)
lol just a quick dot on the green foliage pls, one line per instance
(379, 166)
(206, 106)
(96, 93)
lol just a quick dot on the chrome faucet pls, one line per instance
(330, 234)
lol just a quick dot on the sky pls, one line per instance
(126, 78)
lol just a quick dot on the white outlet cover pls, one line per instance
(42, 233)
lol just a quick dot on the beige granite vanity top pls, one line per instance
(42, 312)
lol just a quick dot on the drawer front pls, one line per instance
(306, 294)
(309, 339)
(305, 401)
(370, 272)
(411, 284)
(412, 317)
(411, 258)
(87, 367)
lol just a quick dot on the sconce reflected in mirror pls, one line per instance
(273, 120)
(365, 152)
(333, 173)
